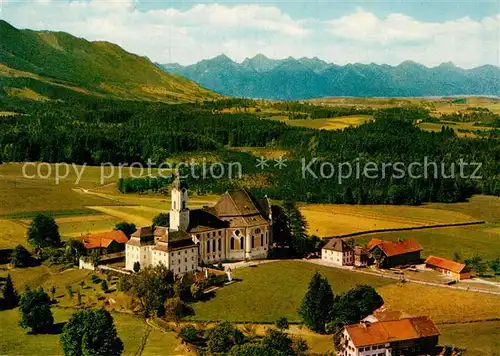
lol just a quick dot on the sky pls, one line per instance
(430, 32)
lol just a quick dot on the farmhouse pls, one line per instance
(389, 254)
(409, 336)
(238, 227)
(452, 269)
(106, 242)
(337, 251)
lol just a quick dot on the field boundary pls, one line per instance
(396, 229)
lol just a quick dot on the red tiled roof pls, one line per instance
(396, 248)
(445, 264)
(391, 331)
(103, 240)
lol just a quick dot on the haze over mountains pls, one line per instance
(50, 65)
(304, 78)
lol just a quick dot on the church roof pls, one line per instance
(173, 240)
(240, 209)
(236, 203)
(201, 220)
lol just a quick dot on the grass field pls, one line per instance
(482, 240)
(276, 289)
(480, 339)
(15, 340)
(330, 219)
(272, 290)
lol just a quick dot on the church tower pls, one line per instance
(179, 212)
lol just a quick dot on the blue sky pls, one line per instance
(430, 32)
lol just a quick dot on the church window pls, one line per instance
(213, 245)
(232, 243)
(183, 204)
(220, 233)
(242, 243)
(237, 232)
(257, 231)
(208, 246)
(219, 243)
(262, 239)
(253, 241)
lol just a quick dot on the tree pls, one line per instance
(456, 256)
(104, 286)
(223, 337)
(477, 264)
(20, 257)
(189, 334)
(495, 265)
(315, 304)
(127, 228)
(281, 323)
(297, 226)
(137, 266)
(10, 299)
(91, 332)
(34, 307)
(44, 232)
(278, 341)
(79, 297)
(176, 309)
(152, 286)
(162, 219)
(53, 293)
(355, 304)
(74, 250)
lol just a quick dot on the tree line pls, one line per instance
(97, 131)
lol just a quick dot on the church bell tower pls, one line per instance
(179, 212)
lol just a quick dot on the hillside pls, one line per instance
(304, 78)
(43, 65)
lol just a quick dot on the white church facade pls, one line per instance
(238, 227)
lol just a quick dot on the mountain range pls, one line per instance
(304, 78)
(50, 65)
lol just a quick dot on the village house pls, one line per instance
(361, 257)
(237, 227)
(389, 254)
(405, 337)
(451, 269)
(338, 252)
(106, 242)
(107, 246)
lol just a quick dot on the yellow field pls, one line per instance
(139, 215)
(263, 151)
(11, 234)
(441, 304)
(436, 127)
(337, 123)
(331, 219)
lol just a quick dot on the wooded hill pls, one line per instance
(46, 65)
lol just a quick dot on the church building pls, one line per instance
(236, 228)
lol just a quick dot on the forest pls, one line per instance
(93, 131)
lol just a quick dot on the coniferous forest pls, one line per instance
(92, 131)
